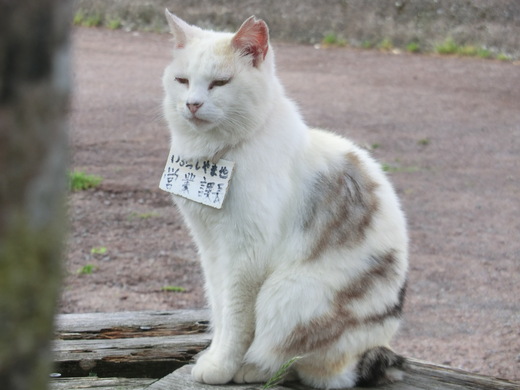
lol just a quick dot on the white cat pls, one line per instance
(308, 255)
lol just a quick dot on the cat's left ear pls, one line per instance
(252, 38)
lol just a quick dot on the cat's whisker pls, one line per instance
(156, 114)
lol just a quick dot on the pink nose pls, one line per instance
(193, 107)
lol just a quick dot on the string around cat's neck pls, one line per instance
(217, 156)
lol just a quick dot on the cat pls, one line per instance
(307, 258)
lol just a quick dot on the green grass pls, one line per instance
(173, 289)
(87, 269)
(385, 44)
(424, 142)
(87, 20)
(503, 57)
(98, 250)
(135, 215)
(281, 373)
(413, 47)
(398, 168)
(80, 181)
(472, 51)
(332, 39)
(114, 24)
(484, 53)
(447, 47)
(367, 44)
(450, 47)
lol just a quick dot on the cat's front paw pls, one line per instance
(249, 373)
(212, 371)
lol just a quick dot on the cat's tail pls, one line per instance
(379, 366)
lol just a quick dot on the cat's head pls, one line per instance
(217, 82)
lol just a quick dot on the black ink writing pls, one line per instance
(188, 179)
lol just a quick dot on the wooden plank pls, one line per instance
(130, 324)
(419, 376)
(181, 380)
(147, 357)
(130, 344)
(123, 349)
(444, 375)
(100, 383)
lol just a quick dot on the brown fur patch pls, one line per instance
(327, 329)
(341, 207)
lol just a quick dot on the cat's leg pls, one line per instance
(300, 314)
(292, 323)
(213, 289)
(234, 327)
(286, 300)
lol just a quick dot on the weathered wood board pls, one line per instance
(101, 383)
(130, 345)
(420, 375)
(154, 350)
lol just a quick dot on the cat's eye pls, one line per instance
(181, 80)
(219, 83)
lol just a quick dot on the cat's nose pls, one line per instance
(193, 107)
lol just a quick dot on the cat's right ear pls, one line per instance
(178, 28)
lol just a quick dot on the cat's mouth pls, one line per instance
(198, 121)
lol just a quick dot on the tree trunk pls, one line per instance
(34, 94)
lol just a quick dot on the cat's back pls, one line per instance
(349, 199)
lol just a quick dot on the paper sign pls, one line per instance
(200, 181)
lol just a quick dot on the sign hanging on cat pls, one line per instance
(203, 182)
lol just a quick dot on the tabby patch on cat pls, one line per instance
(307, 257)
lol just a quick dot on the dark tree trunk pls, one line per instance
(34, 93)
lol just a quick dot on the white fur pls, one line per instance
(259, 284)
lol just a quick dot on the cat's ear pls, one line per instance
(179, 29)
(252, 38)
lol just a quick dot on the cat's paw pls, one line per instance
(249, 373)
(212, 371)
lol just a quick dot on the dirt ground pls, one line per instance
(447, 129)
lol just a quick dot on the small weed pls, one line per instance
(468, 51)
(367, 44)
(385, 44)
(375, 146)
(78, 18)
(87, 269)
(472, 51)
(503, 57)
(98, 250)
(386, 167)
(398, 169)
(424, 142)
(333, 40)
(484, 53)
(82, 19)
(80, 181)
(413, 47)
(173, 289)
(280, 374)
(447, 47)
(142, 215)
(114, 24)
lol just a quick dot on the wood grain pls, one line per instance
(155, 350)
